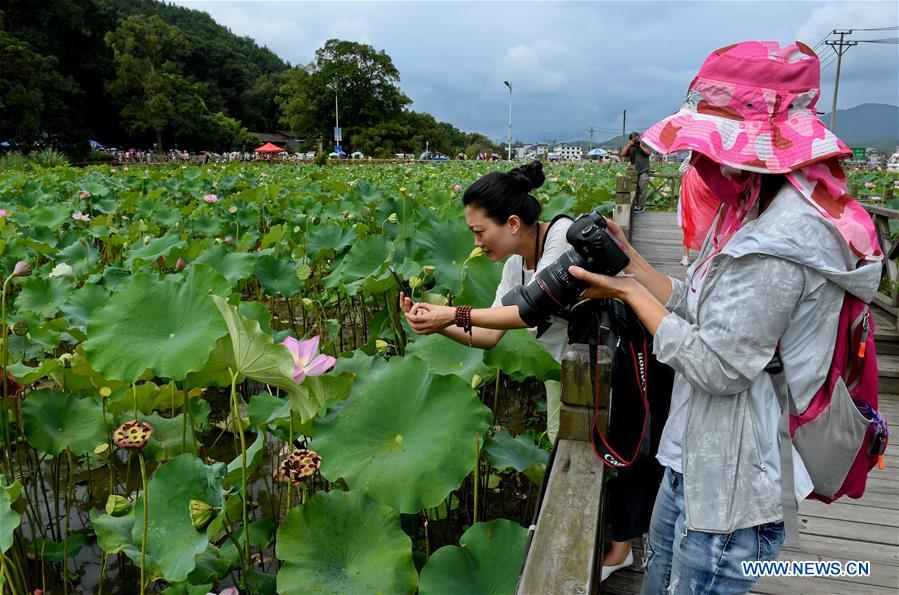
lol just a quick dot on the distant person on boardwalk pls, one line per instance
(788, 243)
(505, 221)
(638, 154)
(696, 208)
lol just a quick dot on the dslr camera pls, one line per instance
(553, 288)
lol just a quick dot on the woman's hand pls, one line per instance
(429, 318)
(618, 234)
(603, 286)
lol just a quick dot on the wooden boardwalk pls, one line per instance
(848, 530)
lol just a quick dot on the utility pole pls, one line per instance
(840, 47)
(337, 136)
(591, 130)
(508, 84)
(623, 128)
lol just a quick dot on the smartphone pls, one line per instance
(402, 284)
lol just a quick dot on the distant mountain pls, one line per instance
(866, 125)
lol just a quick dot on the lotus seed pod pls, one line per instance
(132, 435)
(105, 392)
(381, 345)
(414, 282)
(403, 190)
(475, 380)
(304, 271)
(427, 269)
(142, 227)
(307, 302)
(20, 328)
(393, 218)
(299, 465)
(101, 449)
(117, 505)
(476, 252)
(201, 514)
(232, 209)
(316, 220)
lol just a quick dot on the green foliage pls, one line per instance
(51, 158)
(487, 562)
(433, 421)
(341, 542)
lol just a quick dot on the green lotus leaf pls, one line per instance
(158, 324)
(55, 422)
(332, 237)
(81, 256)
(234, 266)
(518, 453)
(26, 375)
(445, 245)
(153, 249)
(261, 534)
(560, 203)
(254, 355)
(169, 438)
(405, 437)
(520, 356)
(43, 297)
(367, 259)
(215, 371)
(278, 275)
(82, 303)
(9, 518)
(358, 364)
(341, 542)
(487, 563)
(445, 356)
(172, 541)
(480, 278)
(52, 551)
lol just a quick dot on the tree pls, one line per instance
(155, 96)
(363, 79)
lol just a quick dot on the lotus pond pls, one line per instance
(171, 420)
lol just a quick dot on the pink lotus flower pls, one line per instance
(79, 216)
(458, 187)
(84, 194)
(307, 360)
(3, 213)
(210, 198)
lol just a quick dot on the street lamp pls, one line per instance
(508, 84)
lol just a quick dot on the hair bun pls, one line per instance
(530, 175)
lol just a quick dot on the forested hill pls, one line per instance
(60, 79)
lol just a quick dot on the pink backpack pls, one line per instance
(839, 435)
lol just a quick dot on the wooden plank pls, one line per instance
(848, 512)
(562, 556)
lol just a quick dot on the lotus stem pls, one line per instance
(243, 464)
(495, 395)
(143, 542)
(426, 522)
(102, 573)
(477, 468)
(65, 537)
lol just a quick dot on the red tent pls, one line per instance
(268, 148)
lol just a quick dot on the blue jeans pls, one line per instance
(696, 562)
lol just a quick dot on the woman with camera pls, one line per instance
(504, 219)
(787, 243)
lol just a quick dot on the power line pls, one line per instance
(892, 40)
(878, 29)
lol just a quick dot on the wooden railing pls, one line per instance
(888, 300)
(565, 548)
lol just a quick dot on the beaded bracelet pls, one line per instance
(463, 320)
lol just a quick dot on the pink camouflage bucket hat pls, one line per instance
(752, 107)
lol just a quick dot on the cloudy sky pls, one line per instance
(572, 65)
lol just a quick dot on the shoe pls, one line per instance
(608, 570)
(685, 261)
(639, 209)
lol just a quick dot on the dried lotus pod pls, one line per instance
(304, 271)
(132, 435)
(302, 463)
(20, 328)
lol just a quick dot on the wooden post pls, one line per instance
(565, 552)
(624, 203)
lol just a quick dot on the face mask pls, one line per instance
(728, 184)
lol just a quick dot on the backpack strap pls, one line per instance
(787, 479)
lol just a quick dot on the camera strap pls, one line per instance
(633, 371)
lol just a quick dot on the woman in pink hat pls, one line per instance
(785, 246)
